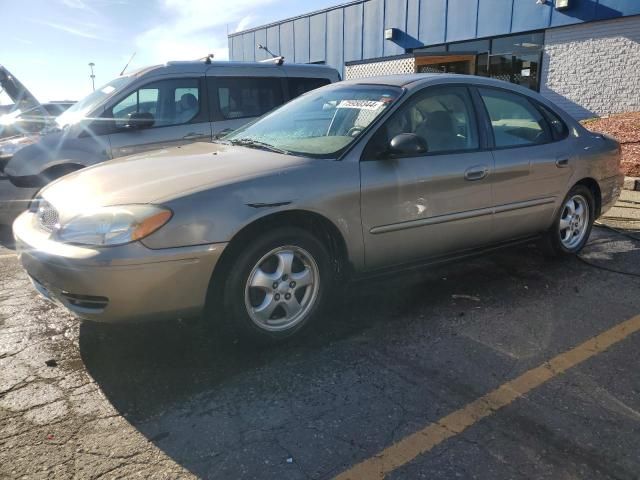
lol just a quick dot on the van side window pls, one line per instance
(515, 121)
(298, 86)
(171, 102)
(242, 97)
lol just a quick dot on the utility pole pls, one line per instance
(92, 76)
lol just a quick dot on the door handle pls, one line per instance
(194, 136)
(562, 162)
(477, 172)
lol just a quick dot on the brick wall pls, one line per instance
(593, 69)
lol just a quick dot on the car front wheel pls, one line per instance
(277, 285)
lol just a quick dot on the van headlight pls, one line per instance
(117, 225)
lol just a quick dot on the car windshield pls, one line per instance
(322, 123)
(79, 110)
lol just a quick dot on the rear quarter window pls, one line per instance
(298, 86)
(559, 129)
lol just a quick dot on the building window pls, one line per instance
(514, 58)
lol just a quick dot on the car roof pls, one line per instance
(418, 79)
(201, 66)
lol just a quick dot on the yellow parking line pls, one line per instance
(433, 434)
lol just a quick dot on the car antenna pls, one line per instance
(125, 67)
(262, 47)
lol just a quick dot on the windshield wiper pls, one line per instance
(250, 143)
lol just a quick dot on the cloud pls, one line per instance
(69, 29)
(23, 40)
(78, 5)
(195, 28)
(243, 23)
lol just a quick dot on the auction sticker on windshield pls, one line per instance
(361, 104)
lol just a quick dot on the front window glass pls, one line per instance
(321, 123)
(442, 116)
(79, 110)
(169, 102)
(515, 121)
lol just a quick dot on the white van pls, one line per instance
(154, 108)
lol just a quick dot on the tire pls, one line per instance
(571, 229)
(262, 301)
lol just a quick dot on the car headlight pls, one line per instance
(117, 225)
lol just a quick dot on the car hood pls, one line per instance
(163, 175)
(17, 92)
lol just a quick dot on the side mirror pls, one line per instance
(408, 144)
(139, 120)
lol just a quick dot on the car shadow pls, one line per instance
(6, 237)
(154, 373)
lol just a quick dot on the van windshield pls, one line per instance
(78, 111)
(320, 124)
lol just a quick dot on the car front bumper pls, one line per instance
(117, 284)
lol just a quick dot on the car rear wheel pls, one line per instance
(573, 223)
(277, 285)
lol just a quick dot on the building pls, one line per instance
(582, 54)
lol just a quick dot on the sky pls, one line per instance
(48, 44)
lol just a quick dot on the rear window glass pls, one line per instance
(242, 97)
(298, 86)
(515, 121)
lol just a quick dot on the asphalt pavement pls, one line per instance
(394, 361)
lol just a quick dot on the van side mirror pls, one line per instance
(139, 120)
(408, 144)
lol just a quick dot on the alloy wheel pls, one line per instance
(574, 221)
(282, 288)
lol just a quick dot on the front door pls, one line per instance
(424, 206)
(177, 107)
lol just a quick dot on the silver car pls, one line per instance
(152, 108)
(352, 179)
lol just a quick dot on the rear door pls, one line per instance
(532, 163)
(180, 115)
(239, 95)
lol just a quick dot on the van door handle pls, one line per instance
(477, 172)
(194, 136)
(562, 162)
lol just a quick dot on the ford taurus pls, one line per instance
(355, 178)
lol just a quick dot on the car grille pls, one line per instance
(48, 217)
